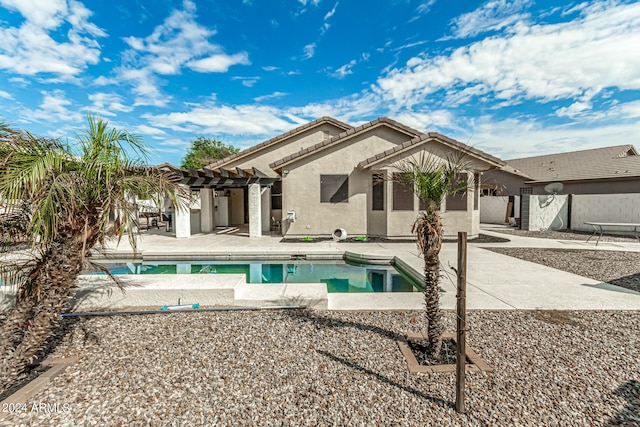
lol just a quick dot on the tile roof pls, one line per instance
(431, 136)
(342, 136)
(274, 140)
(598, 163)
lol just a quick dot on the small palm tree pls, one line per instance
(69, 194)
(432, 179)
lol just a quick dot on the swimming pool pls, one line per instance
(340, 276)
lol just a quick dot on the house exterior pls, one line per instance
(605, 170)
(327, 175)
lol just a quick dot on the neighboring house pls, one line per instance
(327, 175)
(597, 171)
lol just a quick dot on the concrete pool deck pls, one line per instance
(494, 281)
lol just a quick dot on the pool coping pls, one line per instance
(329, 301)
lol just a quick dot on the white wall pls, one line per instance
(548, 212)
(493, 209)
(604, 208)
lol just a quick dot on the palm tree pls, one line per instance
(69, 193)
(432, 179)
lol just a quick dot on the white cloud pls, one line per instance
(422, 9)
(331, 12)
(273, 95)
(246, 81)
(513, 138)
(427, 121)
(494, 15)
(572, 60)
(314, 2)
(106, 103)
(213, 118)
(5, 95)
(628, 109)
(574, 109)
(31, 48)
(218, 63)
(148, 130)
(345, 70)
(179, 42)
(53, 108)
(309, 51)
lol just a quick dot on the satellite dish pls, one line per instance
(553, 188)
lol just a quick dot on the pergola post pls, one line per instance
(206, 210)
(255, 210)
(182, 220)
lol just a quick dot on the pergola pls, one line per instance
(206, 180)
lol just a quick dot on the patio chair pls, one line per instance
(276, 225)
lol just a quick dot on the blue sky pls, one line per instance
(513, 78)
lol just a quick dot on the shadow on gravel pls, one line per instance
(630, 415)
(631, 281)
(66, 326)
(328, 322)
(382, 378)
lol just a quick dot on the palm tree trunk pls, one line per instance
(34, 316)
(432, 304)
(428, 228)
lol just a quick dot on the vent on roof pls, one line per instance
(626, 153)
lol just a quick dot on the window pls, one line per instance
(458, 202)
(526, 190)
(276, 195)
(377, 192)
(476, 191)
(402, 196)
(334, 188)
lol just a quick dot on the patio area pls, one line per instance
(494, 281)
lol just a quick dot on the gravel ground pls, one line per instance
(341, 368)
(615, 267)
(565, 235)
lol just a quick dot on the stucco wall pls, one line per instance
(507, 184)
(301, 186)
(493, 209)
(604, 208)
(600, 187)
(262, 158)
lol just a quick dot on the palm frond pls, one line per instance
(433, 178)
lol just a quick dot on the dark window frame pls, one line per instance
(403, 197)
(458, 202)
(334, 188)
(276, 195)
(377, 192)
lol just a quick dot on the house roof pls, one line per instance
(381, 121)
(281, 137)
(599, 163)
(427, 137)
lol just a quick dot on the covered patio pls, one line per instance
(228, 197)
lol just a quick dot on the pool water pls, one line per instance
(339, 275)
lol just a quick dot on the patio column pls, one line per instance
(255, 211)
(206, 210)
(182, 221)
(266, 210)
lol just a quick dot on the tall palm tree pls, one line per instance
(432, 179)
(69, 193)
